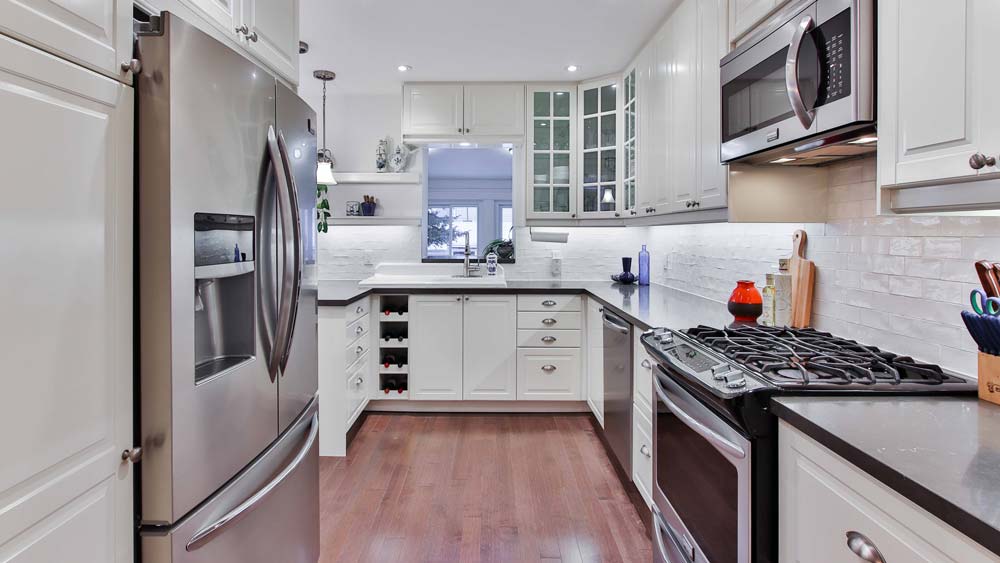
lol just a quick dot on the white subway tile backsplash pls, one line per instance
(943, 247)
(905, 246)
(902, 285)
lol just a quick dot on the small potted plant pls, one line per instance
(504, 248)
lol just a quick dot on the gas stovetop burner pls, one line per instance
(798, 358)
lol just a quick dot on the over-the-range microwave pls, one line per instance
(802, 90)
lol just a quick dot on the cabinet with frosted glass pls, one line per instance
(551, 168)
(600, 108)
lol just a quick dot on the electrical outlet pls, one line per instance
(369, 258)
(556, 263)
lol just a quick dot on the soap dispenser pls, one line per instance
(644, 266)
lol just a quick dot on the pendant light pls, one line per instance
(324, 158)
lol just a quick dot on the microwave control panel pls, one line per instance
(833, 44)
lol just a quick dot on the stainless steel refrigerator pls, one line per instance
(227, 306)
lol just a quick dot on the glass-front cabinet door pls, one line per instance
(630, 113)
(551, 154)
(600, 106)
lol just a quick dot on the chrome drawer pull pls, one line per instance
(359, 381)
(359, 350)
(645, 363)
(863, 547)
(548, 339)
(549, 368)
(548, 321)
(549, 303)
(359, 310)
(358, 330)
(644, 450)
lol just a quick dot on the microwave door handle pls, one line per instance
(284, 289)
(293, 237)
(806, 116)
(691, 422)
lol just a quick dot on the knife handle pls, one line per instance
(988, 278)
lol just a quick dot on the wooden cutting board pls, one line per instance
(803, 274)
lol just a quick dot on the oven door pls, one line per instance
(702, 467)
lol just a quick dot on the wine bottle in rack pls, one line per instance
(391, 384)
(388, 360)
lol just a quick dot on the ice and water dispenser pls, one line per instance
(223, 292)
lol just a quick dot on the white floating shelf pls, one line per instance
(377, 177)
(374, 220)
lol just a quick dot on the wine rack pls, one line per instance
(393, 358)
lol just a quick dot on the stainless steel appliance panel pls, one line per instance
(204, 117)
(298, 380)
(618, 388)
(268, 514)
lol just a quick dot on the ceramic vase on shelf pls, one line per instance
(746, 303)
(382, 155)
(626, 277)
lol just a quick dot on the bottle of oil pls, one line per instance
(767, 292)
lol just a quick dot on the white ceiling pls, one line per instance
(363, 41)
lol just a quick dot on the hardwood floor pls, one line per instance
(510, 488)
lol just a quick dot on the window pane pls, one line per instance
(608, 197)
(590, 101)
(631, 123)
(560, 134)
(608, 97)
(542, 104)
(542, 134)
(542, 168)
(607, 166)
(560, 199)
(464, 221)
(439, 232)
(560, 104)
(590, 133)
(590, 167)
(590, 198)
(541, 198)
(560, 169)
(608, 130)
(506, 222)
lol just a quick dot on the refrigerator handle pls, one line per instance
(285, 288)
(206, 534)
(295, 237)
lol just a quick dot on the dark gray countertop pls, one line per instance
(645, 306)
(942, 453)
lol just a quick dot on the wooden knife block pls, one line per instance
(989, 378)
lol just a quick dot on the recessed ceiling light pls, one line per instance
(404, 68)
(863, 141)
(572, 68)
(782, 160)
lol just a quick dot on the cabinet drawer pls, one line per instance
(548, 321)
(548, 374)
(356, 329)
(548, 338)
(642, 383)
(548, 303)
(642, 454)
(356, 351)
(357, 310)
(357, 389)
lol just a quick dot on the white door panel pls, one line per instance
(273, 34)
(433, 109)
(494, 109)
(490, 332)
(435, 352)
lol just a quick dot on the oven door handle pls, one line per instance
(663, 528)
(806, 116)
(705, 432)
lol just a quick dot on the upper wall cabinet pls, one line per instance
(551, 167)
(937, 127)
(599, 106)
(630, 119)
(451, 110)
(94, 33)
(745, 15)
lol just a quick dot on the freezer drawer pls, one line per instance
(268, 513)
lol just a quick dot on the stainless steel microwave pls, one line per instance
(802, 90)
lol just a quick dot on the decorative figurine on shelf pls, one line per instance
(322, 208)
(368, 206)
(397, 162)
(746, 303)
(626, 277)
(382, 155)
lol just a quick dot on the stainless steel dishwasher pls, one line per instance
(618, 388)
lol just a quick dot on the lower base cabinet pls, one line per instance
(435, 351)
(489, 367)
(823, 499)
(595, 359)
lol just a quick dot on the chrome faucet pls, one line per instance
(470, 269)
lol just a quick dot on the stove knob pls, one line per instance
(735, 380)
(719, 371)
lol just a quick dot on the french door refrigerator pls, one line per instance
(227, 306)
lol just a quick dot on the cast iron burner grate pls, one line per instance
(792, 358)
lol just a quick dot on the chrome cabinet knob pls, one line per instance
(645, 363)
(467, 130)
(458, 299)
(466, 297)
(979, 161)
(359, 381)
(132, 455)
(548, 339)
(548, 368)
(573, 215)
(359, 350)
(132, 65)
(459, 129)
(863, 547)
(687, 203)
(359, 310)
(242, 30)
(358, 330)
(548, 321)
(548, 303)
(644, 450)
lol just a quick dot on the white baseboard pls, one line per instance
(479, 406)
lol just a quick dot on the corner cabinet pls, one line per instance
(448, 110)
(599, 105)
(551, 149)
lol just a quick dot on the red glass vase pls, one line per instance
(746, 303)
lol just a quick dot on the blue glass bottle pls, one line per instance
(644, 266)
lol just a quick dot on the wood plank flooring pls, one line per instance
(503, 488)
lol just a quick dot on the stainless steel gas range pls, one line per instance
(715, 443)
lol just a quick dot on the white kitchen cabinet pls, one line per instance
(346, 378)
(548, 374)
(490, 332)
(642, 453)
(822, 498)
(225, 14)
(494, 109)
(744, 15)
(630, 138)
(642, 379)
(552, 144)
(435, 347)
(595, 359)
(654, 103)
(935, 89)
(433, 109)
(599, 106)
(94, 33)
(67, 291)
(682, 80)
(273, 33)
(713, 176)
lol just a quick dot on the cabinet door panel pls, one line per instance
(595, 359)
(548, 374)
(745, 14)
(494, 109)
(94, 33)
(712, 174)
(682, 157)
(67, 300)
(433, 109)
(489, 364)
(274, 24)
(435, 352)
(225, 13)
